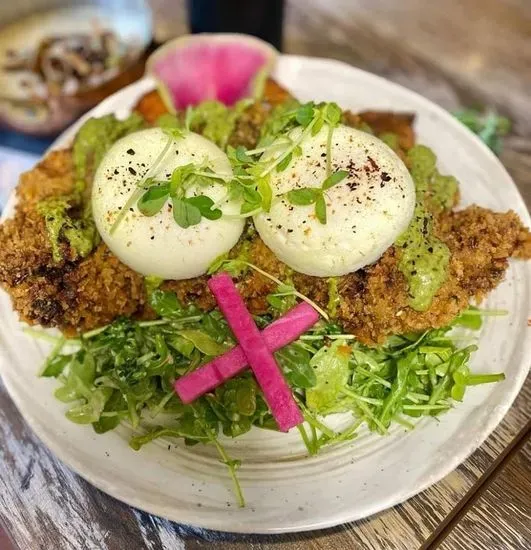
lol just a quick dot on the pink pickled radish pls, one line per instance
(278, 334)
(277, 393)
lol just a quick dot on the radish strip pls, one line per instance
(278, 334)
(277, 393)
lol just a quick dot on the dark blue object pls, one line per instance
(261, 18)
(29, 144)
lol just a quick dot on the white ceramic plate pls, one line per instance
(286, 491)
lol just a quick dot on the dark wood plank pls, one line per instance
(43, 505)
(501, 517)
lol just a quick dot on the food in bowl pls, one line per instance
(57, 64)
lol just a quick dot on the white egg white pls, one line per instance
(157, 245)
(366, 212)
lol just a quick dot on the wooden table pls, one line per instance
(458, 52)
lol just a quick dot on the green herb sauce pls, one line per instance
(424, 258)
(333, 297)
(95, 138)
(152, 283)
(391, 140)
(80, 233)
(91, 143)
(217, 121)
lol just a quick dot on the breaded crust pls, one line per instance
(80, 294)
(374, 300)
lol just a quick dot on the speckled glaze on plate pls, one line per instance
(286, 491)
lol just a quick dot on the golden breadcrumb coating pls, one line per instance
(80, 294)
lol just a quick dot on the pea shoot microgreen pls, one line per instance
(187, 211)
(276, 151)
(252, 169)
(315, 195)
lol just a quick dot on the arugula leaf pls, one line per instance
(55, 366)
(185, 428)
(203, 342)
(90, 411)
(215, 325)
(115, 404)
(182, 345)
(398, 389)
(238, 397)
(283, 299)
(78, 382)
(165, 303)
(295, 363)
(55, 363)
(470, 318)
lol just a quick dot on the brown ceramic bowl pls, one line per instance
(26, 23)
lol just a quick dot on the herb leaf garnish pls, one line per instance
(305, 114)
(187, 211)
(185, 214)
(204, 204)
(151, 202)
(334, 179)
(320, 209)
(314, 195)
(304, 196)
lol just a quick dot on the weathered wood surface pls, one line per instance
(457, 52)
(508, 499)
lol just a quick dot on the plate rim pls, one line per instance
(192, 517)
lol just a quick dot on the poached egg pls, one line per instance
(366, 211)
(157, 245)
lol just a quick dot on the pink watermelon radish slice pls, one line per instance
(200, 67)
(277, 393)
(278, 334)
